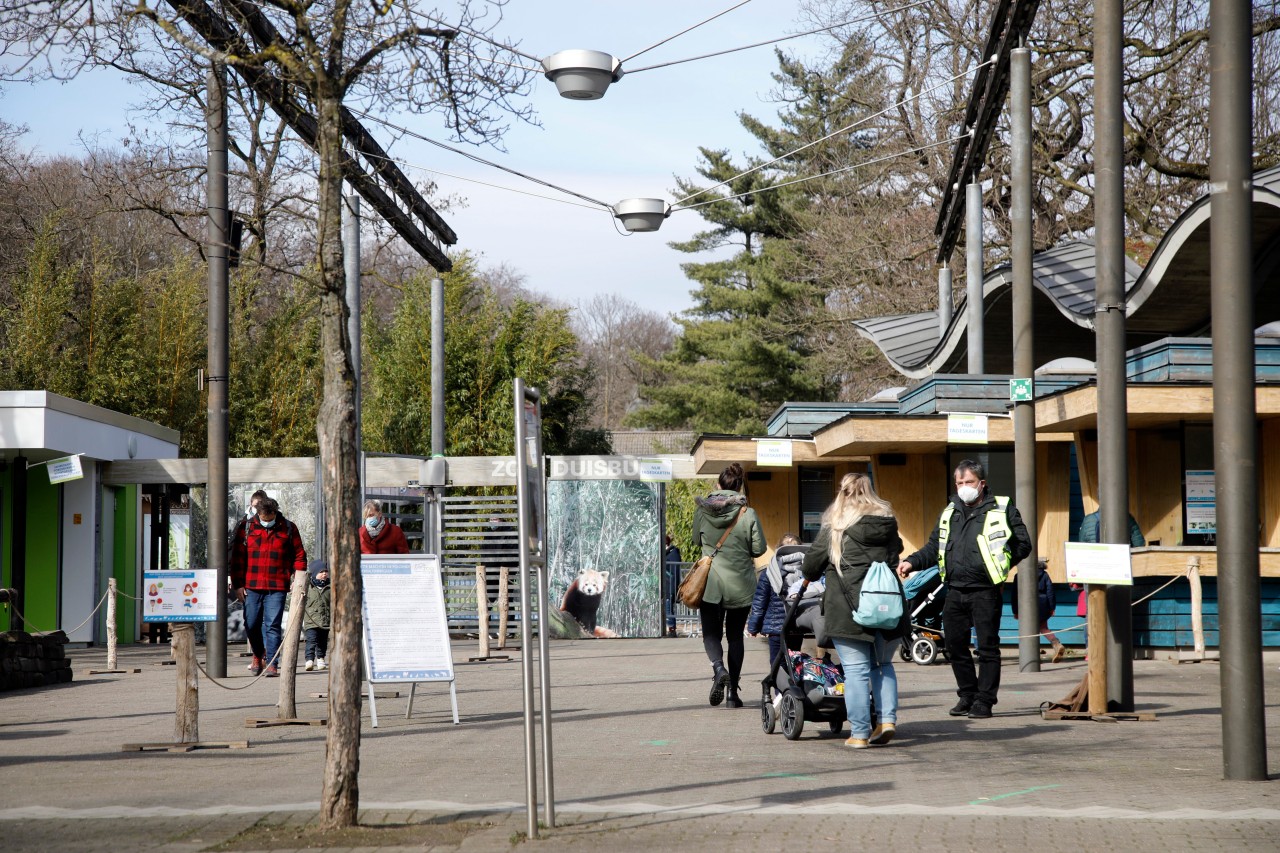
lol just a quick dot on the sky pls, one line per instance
(631, 143)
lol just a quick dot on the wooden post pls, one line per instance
(1197, 605)
(504, 607)
(289, 653)
(1097, 648)
(482, 610)
(111, 623)
(186, 724)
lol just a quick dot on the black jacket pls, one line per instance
(965, 569)
(873, 539)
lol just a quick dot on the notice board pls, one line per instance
(406, 631)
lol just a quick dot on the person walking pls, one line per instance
(378, 535)
(778, 583)
(978, 539)
(858, 529)
(671, 559)
(731, 583)
(315, 620)
(262, 566)
(1046, 603)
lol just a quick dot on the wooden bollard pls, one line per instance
(504, 606)
(1097, 648)
(186, 724)
(482, 610)
(289, 652)
(1197, 605)
(111, 623)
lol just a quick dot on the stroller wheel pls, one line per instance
(836, 726)
(924, 651)
(768, 717)
(792, 713)
(904, 651)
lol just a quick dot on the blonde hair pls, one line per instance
(372, 508)
(854, 499)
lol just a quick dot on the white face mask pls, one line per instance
(968, 494)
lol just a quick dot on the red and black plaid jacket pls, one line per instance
(265, 559)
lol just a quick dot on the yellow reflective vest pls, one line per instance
(993, 541)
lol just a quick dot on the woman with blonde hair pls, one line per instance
(859, 529)
(379, 535)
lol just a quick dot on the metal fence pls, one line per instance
(479, 530)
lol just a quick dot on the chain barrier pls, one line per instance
(92, 613)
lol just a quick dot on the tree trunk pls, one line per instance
(336, 430)
(289, 654)
(186, 723)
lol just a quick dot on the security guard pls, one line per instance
(978, 539)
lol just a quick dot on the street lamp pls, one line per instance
(641, 214)
(582, 75)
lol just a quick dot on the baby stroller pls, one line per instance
(925, 595)
(811, 690)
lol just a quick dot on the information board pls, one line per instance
(406, 631)
(180, 596)
(1098, 563)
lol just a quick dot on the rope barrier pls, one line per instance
(262, 674)
(73, 630)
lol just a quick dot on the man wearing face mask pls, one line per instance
(379, 536)
(978, 539)
(262, 565)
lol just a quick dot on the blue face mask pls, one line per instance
(268, 524)
(373, 525)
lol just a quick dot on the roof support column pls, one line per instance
(973, 274)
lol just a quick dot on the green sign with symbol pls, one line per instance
(1020, 390)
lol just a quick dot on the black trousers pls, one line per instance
(977, 609)
(717, 622)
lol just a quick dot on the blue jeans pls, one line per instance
(868, 662)
(263, 610)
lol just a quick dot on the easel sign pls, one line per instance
(1098, 563)
(406, 630)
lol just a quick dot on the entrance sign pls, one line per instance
(773, 451)
(180, 596)
(967, 429)
(1098, 563)
(406, 630)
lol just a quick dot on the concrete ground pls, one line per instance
(641, 762)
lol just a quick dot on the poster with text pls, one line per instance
(406, 631)
(180, 596)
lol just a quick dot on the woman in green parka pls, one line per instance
(860, 528)
(732, 581)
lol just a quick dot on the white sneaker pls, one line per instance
(320, 664)
(310, 665)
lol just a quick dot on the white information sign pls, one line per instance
(180, 596)
(774, 452)
(65, 469)
(1202, 502)
(406, 630)
(967, 429)
(655, 470)
(1089, 562)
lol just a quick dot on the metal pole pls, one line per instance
(437, 383)
(217, 485)
(1113, 451)
(1024, 412)
(1244, 747)
(544, 658)
(526, 628)
(944, 299)
(973, 274)
(351, 269)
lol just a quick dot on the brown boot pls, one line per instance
(1059, 652)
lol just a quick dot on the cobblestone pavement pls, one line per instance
(641, 762)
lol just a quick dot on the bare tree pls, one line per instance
(321, 55)
(614, 331)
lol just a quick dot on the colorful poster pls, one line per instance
(180, 596)
(1202, 503)
(603, 559)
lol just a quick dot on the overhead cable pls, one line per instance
(687, 29)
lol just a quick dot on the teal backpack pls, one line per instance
(881, 600)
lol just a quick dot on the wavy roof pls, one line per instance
(1170, 297)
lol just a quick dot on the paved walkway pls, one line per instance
(641, 763)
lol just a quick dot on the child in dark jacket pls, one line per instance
(777, 584)
(315, 620)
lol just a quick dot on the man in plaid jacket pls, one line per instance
(263, 561)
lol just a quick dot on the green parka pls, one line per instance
(732, 581)
(872, 539)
